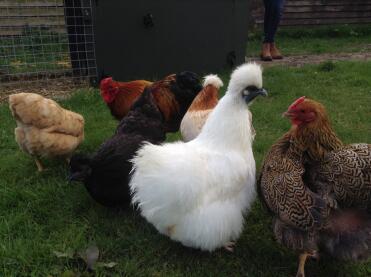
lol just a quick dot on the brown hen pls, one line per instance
(119, 96)
(318, 190)
(173, 95)
(201, 107)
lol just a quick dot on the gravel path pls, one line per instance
(300, 60)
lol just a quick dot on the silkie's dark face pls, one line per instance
(251, 92)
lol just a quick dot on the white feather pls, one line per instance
(197, 192)
(192, 123)
(213, 80)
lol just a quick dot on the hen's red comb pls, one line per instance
(297, 102)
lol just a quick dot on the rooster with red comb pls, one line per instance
(318, 189)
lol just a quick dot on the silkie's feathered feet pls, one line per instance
(170, 230)
(229, 246)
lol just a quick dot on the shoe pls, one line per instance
(266, 53)
(275, 52)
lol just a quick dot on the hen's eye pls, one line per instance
(302, 110)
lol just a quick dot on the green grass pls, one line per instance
(42, 213)
(315, 40)
(34, 51)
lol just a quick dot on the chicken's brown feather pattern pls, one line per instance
(348, 171)
(318, 189)
(283, 189)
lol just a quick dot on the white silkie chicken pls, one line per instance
(197, 192)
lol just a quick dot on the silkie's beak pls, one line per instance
(252, 94)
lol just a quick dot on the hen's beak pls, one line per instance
(288, 114)
(252, 94)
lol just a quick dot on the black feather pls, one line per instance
(348, 235)
(185, 88)
(294, 238)
(106, 174)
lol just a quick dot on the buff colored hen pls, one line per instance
(45, 129)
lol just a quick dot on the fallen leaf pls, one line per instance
(68, 254)
(90, 256)
(106, 265)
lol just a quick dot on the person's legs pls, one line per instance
(272, 17)
(273, 14)
(266, 54)
(267, 19)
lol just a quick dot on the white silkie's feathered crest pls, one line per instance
(213, 80)
(249, 74)
(229, 124)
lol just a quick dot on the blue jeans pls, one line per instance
(272, 18)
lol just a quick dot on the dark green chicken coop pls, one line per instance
(146, 38)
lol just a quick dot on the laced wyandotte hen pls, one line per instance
(197, 192)
(105, 174)
(318, 189)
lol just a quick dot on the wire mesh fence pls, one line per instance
(46, 45)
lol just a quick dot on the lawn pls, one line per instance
(34, 51)
(315, 40)
(42, 213)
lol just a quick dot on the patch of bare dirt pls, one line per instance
(300, 60)
(59, 88)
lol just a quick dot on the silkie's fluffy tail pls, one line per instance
(80, 168)
(348, 235)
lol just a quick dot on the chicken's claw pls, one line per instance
(229, 246)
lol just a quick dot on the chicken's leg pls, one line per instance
(170, 230)
(229, 246)
(39, 165)
(302, 259)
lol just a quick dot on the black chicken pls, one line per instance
(172, 94)
(106, 173)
